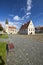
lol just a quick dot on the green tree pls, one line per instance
(1, 28)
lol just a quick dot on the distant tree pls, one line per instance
(1, 28)
(6, 21)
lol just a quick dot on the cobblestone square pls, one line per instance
(27, 51)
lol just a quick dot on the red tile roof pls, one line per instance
(12, 27)
(25, 26)
(39, 27)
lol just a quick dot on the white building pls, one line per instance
(11, 29)
(27, 28)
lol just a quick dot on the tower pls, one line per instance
(6, 24)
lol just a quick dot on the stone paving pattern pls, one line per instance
(27, 51)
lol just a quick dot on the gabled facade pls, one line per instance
(27, 28)
(11, 29)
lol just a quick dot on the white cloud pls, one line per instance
(28, 13)
(17, 24)
(16, 18)
(11, 23)
(27, 16)
(23, 17)
(29, 2)
(29, 5)
(28, 8)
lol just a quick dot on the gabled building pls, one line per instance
(39, 29)
(27, 28)
(11, 29)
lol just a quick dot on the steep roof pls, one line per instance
(12, 27)
(25, 26)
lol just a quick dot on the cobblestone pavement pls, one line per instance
(26, 51)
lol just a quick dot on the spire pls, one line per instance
(6, 21)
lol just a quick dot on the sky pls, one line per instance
(19, 12)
